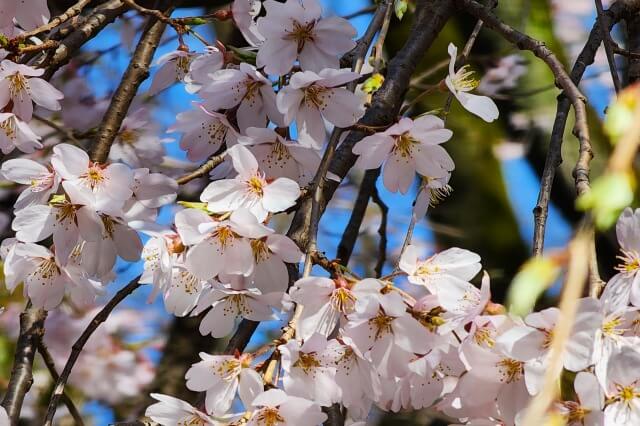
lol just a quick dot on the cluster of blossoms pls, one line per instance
(358, 342)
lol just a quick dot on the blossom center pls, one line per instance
(300, 33)
(8, 127)
(109, 225)
(610, 327)
(630, 261)
(280, 151)
(464, 80)
(510, 370)
(192, 420)
(575, 412)
(225, 235)
(626, 394)
(182, 66)
(189, 282)
(94, 176)
(255, 185)
(18, 84)
(381, 323)
(47, 270)
(41, 183)
(343, 300)
(404, 145)
(307, 362)
(229, 369)
(314, 96)
(216, 131)
(484, 336)
(253, 86)
(260, 250)
(269, 416)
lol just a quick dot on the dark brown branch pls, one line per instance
(554, 157)
(633, 48)
(58, 20)
(382, 231)
(31, 331)
(135, 74)
(81, 342)
(352, 230)
(202, 170)
(51, 366)
(101, 16)
(606, 39)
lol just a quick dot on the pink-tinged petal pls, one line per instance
(219, 320)
(270, 398)
(589, 391)
(398, 174)
(303, 79)
(628, 229)
(372, 151)
(246, 224)
(432, 161)
(156, 190)
(23, 171)
(219, 401)
(270, 105)
(310, 125)
(288, 102)
(334, 35)
(44, 94)
(251, 113)
(617, 292)
(238, 258)
(285, 248)
(250, 386)
(223, 195)
(35, 15)
(203, 259)
(120, 181)
(276, 56)
(312, 58)
(187, 222)
(65, 239)
(226, 89)
(243, 160)
(409, 259)
(164, 77)
(127, 242)
(5, 90)
(271, 276)
(343, 108)
(337, 77)
(181, 297)
(410, 335)
(22, 105)
(34, 223)
(482, 106)
(90, 225)
(453, 54)
(46, 293)
(280, 194)
(69, 161)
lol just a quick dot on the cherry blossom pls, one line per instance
(246, 88)
(201, 67)
(310, 97)
(249, 189)
(244, 14)
(270, 254)
(172, 67)
(20, 84)
(203, 132)
(623, 389)
(41, 180)
(276, 407)
(278, 157)
(137, 143)
(461, 82)
(221, 377)
(28, 17)
(15, 133)
(295, 29)
(169, 411)
(587, 410)
(405, 148)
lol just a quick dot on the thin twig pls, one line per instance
(606, 39)
(81, 342)
(382, 231)
(68, 133)
(203, 169)
(51, 366)
(58, 20)
(363, 11)
(137, 71)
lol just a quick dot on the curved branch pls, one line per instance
(81, 342)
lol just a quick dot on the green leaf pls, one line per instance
(244, 55)
(535, 276)
(609, 194)
(373, 83)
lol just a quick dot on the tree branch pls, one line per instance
(31, 331)
(606, 38)
(135, 74)
(79, 345)
(58, 20)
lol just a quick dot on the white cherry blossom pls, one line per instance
(244, 14)
(42, 181)
(170, 411)
(295, 30)
(15, 133)
(622, 389)
(310, 97)
(405, 148)
(274, 407)
(172, 67)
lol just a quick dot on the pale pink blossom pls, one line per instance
(270, 253)
(622, 389)
(201, 68)
(203, 132)
(106, 187)
(439, 270)
(228, 304)
(221, 377)
(462, 302)
(33, 16)
(226, 241)
(295, 29)
(137, 143)
(431, 192)
(276, 407)
(382, 327)
(15, 133)
(172, 67)
(461, 82)
(405, 148)
(250, 189)
(42, 181)
(246, 88)
(170, 411)
(278, 157)
(310, 97)
(20, 84)
(306, 374)
(244, 14)
(587, 410)
(80, 108)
